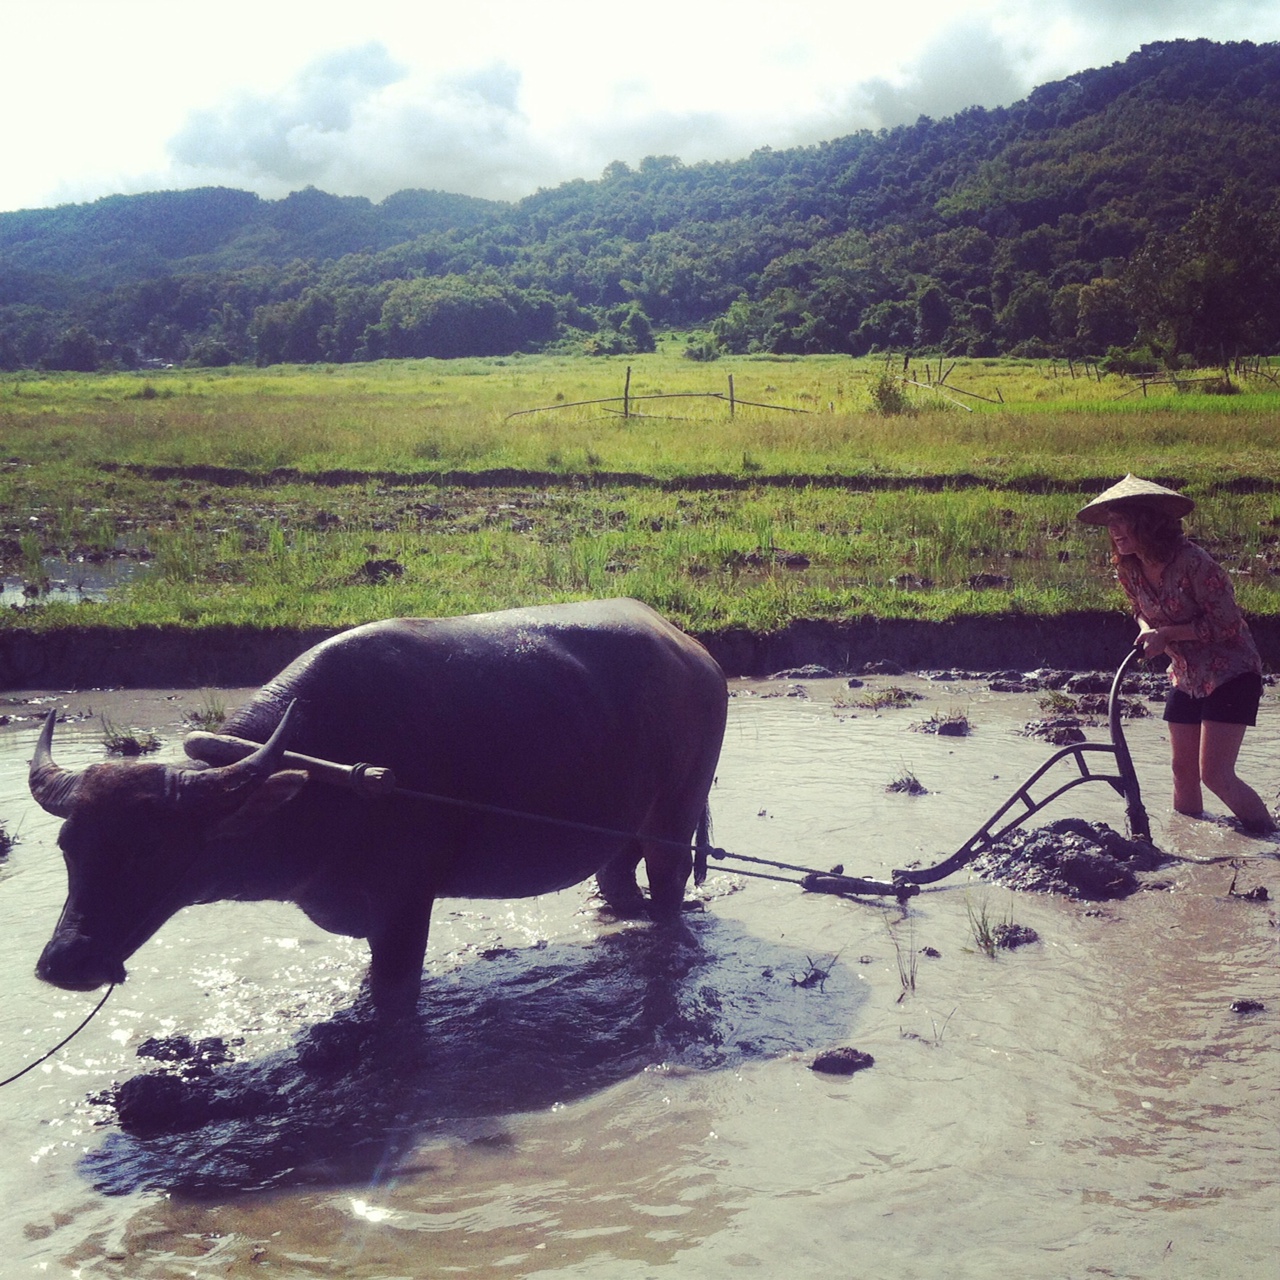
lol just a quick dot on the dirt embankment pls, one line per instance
(96, 657)
(524, 478)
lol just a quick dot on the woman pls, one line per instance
(1186, 608)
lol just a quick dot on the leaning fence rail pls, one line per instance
(626, 400)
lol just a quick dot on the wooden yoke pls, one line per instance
(366, 780)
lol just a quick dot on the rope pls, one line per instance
(372, 782)
(479, 807)
(837, 882)
(19, 1074)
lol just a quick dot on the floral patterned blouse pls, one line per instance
(1194, 589)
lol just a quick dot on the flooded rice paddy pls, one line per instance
(586, 1099)
(71, 581)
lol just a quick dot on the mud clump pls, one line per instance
(184, 1096)
(907, 785)
(158, 1102)
(952, 724)
(880, 667)
(1246, 1005)
(989, 581)
(1009, 936)
(1078, 859)
(375, 573)
(1057, 731)
(843, 1061)
(193, 1057)
(761, 560)
(1089, 682)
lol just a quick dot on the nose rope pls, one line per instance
(17, 1075)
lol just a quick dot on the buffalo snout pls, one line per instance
(74, 965)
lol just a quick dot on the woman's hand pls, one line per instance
(1152, 641)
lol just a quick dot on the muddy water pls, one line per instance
(585, 1100)
(67, 582)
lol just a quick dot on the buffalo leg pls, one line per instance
(668, 852)
(616, 881)
(668, 871)
(397, 952)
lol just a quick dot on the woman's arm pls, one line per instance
(1156, 640)
(1205, 586)
(1152, 640)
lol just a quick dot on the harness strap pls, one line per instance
(373, 782)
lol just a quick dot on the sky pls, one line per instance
(497, 98)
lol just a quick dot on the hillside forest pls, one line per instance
(1129, 212)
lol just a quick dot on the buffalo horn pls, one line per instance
(223, 787)
(52, 786)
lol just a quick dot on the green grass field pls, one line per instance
(325, 496)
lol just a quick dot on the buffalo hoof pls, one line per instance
(630, 911)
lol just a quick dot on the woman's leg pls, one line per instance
(1185, 741)
(1219, 747)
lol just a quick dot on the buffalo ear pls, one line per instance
(274, 793)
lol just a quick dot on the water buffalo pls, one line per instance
(600, 713)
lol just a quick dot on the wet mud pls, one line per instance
(581, 1097)
(1070, 856)
(526, 1030)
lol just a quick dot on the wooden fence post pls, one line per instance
(732, 406)
(626, 395)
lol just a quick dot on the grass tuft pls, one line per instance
(907, 958)
(991, 932)
(211, 712)
(128, 742)
(948, 724)
(906, 783)
(891, 696)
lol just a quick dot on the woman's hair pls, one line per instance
(1158, 534)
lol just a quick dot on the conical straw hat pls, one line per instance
(1132, 490)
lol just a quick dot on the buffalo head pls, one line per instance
(137, 843)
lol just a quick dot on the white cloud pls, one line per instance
(966, 65)
(498, 97)
(285, 135)
(358, 122)
(1162, 11)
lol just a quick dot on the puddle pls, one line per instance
(69, 582)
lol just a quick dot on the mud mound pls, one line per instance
(1072, 857)
(1058, 731)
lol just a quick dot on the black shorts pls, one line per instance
(1234, 702)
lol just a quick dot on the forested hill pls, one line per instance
(1138, 203)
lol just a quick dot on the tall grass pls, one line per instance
(421, 415)
(936, 514)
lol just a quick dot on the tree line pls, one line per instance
(1129, 208)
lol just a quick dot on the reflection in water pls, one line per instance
(522, 1031)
